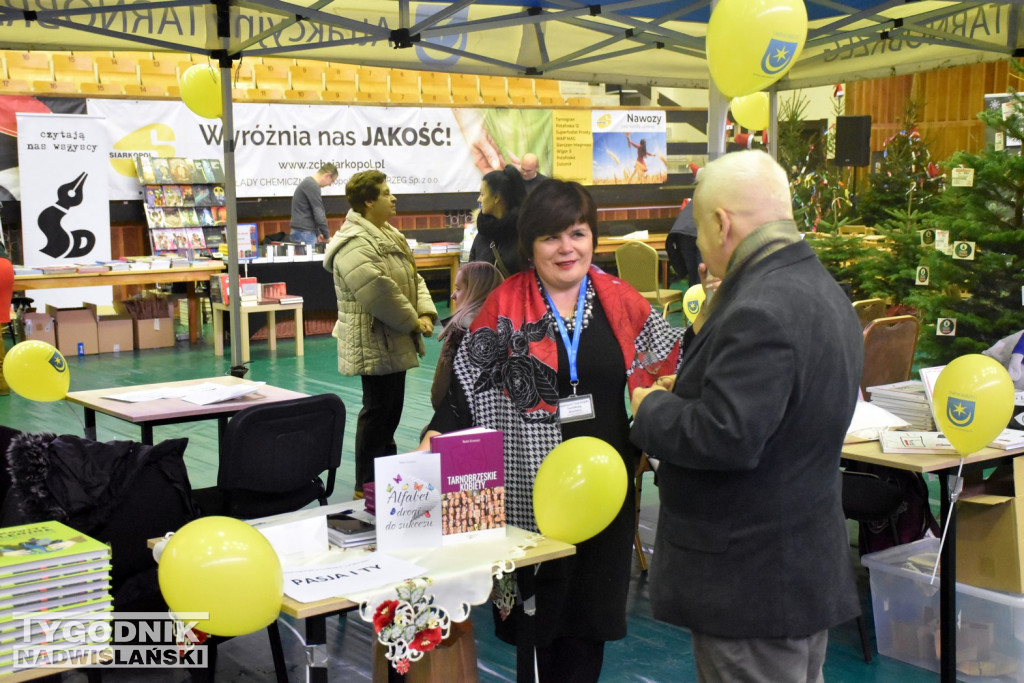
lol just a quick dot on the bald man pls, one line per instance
(529, 167)
(752, 552)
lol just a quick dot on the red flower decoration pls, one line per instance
(402, 666)
(384, 615)
(426, 640)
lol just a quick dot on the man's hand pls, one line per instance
(640, 394)
(425, 325)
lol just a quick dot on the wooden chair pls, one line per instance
(271, 76)
(549, 93)
(643, 466)
(638, 264)
(306, 77)
(405, 85)
(372, 84)
(75, 68)
(62, 87)
(436, 87)
(159, 74)
(494, 90)
(304, 95)
(118, 72)
(889, 346)
(15, 85)
(106, 89)
(520, 91)
(868, 310)
(27, 66)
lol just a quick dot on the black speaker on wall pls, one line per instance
(853, 140)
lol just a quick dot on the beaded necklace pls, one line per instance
(570, 322)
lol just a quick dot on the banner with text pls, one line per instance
(422, 150)
(65, 211)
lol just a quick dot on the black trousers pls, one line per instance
(383, 397)
(683, 256)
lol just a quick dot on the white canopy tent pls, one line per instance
(629, 42)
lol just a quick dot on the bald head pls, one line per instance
(749, 184)
(737, 193)
(529, 165)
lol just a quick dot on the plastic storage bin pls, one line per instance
(990, 635)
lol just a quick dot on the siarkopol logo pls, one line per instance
(604, 121)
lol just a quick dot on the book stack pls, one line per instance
(906, 400)
(472, 484)
(91, 268)
(248, 290)
(48, 567)
(27, 270)
(276, 293)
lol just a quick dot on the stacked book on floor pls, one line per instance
(906, 400)
(48, 567)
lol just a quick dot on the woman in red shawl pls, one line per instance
(513, 372)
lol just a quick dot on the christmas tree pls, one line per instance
(902, 192)
(907, 179)
(974, 293)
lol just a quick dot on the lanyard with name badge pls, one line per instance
(573, 408)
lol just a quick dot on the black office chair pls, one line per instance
(869, 499)
(272, 457)
(271, 460)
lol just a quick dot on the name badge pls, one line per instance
(576, 408)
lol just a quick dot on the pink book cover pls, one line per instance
(472, 484)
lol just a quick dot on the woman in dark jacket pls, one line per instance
(497, 242)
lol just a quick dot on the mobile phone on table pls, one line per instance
(347, 524)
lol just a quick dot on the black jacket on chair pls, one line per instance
(120, 492)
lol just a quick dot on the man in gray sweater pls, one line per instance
(309, 221)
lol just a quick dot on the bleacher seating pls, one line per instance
(113, 71)
(307, 77)
(372, 84)
(75, 68)
(156, 75)
(27, 66)
(271, 76)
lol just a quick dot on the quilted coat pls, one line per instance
(380, 298)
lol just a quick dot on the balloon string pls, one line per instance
(953, 495)
(77, 416)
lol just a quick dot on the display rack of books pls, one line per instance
(48, 567)
(185, 208)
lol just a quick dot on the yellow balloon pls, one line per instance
(750, 44)
(751, 111)
(693, 299)
(580, 488)
(200, 90)
(973, 401)
(224, 567)
(37, 371)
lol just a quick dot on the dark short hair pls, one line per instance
(550, 208)
(362, 188)
(329, 169)
(507, 184)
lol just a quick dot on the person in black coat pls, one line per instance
(752, 553)
(497, 240)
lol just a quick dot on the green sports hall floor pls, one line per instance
(651, 652)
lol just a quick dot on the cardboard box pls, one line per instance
(989, 523)
(154, 333)
(114, 332)
(40, 326)
(906, 610)
(75, 326)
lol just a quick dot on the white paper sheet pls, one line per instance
(341, 579)
(868, 419)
